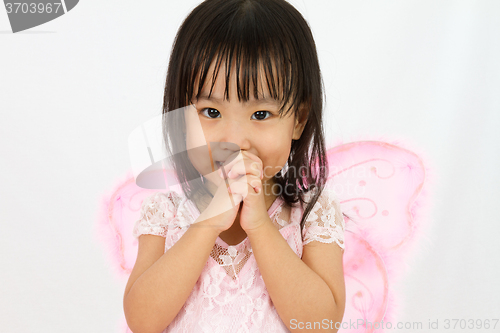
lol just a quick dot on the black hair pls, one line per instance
(251, 34)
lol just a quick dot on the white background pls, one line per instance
(423, 72)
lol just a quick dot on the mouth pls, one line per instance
(219, 163)
(219, 166)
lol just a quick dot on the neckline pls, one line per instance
(197, 213)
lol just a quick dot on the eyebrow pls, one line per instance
(265, 100)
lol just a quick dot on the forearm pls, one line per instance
(160, 292)
(296, 290)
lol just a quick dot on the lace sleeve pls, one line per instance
(157, 213)
(325, 222)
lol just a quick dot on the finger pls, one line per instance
(241, 165)
(226, 166)
(237, 198)
(259, 164)
(246, 167)
(245, 184)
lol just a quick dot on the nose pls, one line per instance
(234, 136)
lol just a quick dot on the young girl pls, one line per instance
(254, 242)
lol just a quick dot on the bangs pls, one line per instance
(253, 45)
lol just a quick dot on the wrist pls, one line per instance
(259, 227)
(210, 226)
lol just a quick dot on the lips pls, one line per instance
(219, 164)
(222, 155)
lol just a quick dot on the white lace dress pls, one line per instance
(230, 294)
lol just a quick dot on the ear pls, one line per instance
(300, 121)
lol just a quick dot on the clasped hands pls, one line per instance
(239, 188)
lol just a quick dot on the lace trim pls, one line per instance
(234, 258)
(158, 213)
(325, 222)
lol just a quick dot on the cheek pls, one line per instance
(194, 130)
(194, 139)
(275, 156)
(200, 159)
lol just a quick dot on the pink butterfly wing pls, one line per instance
(377, 185)
(367, 284)
(119, 211)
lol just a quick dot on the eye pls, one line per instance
(211, 112)
(261, 115)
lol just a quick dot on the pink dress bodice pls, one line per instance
(230, 294)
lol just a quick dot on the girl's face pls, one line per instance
(254, 126)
